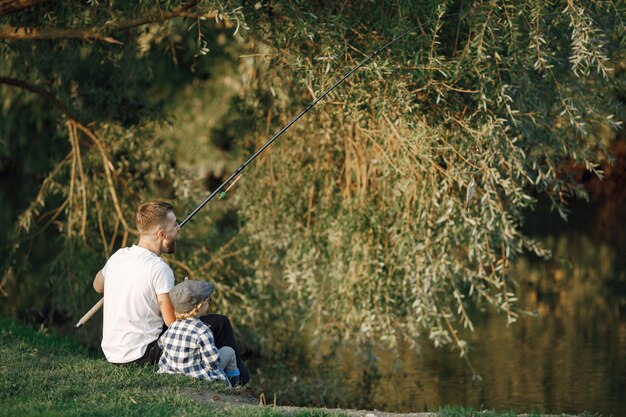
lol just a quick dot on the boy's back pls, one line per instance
(189, 349)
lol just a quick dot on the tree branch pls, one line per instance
(104, 35)
(39, 91)
(160, 16)
(12, 6)
(14, 33)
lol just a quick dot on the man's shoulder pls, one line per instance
(121, 256)
(134, 252)
(140, 255)
(137, 258)
(121, 252)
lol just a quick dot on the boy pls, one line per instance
(188, 345)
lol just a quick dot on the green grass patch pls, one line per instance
(47, 375)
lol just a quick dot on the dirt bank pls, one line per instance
(246, 398)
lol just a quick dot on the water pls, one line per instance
(569, 358)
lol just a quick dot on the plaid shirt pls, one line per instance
(189, 349)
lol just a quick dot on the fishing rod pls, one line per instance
(239, 171)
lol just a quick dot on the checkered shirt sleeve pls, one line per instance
(189, 349)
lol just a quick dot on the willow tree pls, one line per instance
(359, 216)
(355, 222)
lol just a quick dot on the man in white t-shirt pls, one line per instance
(136, 283)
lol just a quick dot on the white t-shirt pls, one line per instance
(132, 318)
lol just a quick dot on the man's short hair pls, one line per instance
(152, 214)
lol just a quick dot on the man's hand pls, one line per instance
(98, 282)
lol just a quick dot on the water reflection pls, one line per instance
(570, 357)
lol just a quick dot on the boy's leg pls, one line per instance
(228, 364)
(224, 336)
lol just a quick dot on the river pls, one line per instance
(569, 356)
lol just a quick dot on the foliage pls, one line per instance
(95, 110)
(355, 222)
(359, 215)
(575, 299)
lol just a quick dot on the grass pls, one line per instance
(48, 375)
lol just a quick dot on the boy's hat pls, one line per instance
(189, 293)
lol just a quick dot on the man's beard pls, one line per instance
(169, 247)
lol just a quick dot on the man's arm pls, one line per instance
(98, 282)
(167, 309)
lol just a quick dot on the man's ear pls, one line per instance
(161, 234)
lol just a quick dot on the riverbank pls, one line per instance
(43, 374)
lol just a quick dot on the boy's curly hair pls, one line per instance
(188, 314)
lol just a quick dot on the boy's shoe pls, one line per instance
(234, 381)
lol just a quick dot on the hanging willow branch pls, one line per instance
(77, 172)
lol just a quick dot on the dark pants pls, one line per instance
(223, 335)
(150, 357)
